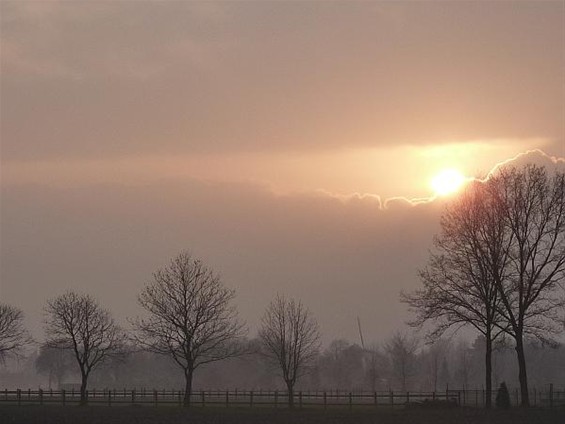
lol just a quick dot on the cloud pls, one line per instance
(536, 157)
(279, 141)
(106, 79)
(345, 256)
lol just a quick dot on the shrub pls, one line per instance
(503, 397)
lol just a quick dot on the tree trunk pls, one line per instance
(83, 383)
(522, 375)
(187, 387)
(290, 388)
(488, 370)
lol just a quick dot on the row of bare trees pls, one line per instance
(499, 263)
(189, 317)
(498, 266)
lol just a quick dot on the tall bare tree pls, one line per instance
(13, 335)
(78, 323)
(531, 203)
(460, 288)
(504, 262)
(190, 317)
(290, 338)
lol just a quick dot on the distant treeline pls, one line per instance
(340, 366)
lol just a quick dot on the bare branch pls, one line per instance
(13, 335)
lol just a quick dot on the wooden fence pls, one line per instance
(274, 399)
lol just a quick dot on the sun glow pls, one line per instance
(447, 181)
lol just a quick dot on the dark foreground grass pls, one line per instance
(55, 414)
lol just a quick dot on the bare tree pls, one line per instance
(78, 323)
(531, 204)
(501, 261)
(375, 364)
(460, 288)
(190, 317)
(13, 335)
(290, 338)
(401, 350)
(437, 355)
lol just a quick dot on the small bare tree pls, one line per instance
(190, 317)
(401, 350)
(78, 323)
(13, 335)
(290, 338)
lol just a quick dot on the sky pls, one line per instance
(290, 145)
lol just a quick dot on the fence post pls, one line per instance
(350, 401)
(551, 395)
(155, 399)
(133, 396)
(19, 395)
(40, 396)
(109, 398)
(251, 399)
(407, 397)
(325, 400)
(203, 395)
(392, 399)
(63, 396)
(300, 398)
(375, 398)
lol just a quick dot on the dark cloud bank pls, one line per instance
(343, 257)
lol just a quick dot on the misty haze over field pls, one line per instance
(290, 145)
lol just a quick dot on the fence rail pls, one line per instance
(321, 399)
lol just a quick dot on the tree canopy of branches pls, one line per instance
(459, 280)
(290, 338)
(78, 323)
(13, 335)
(190, 317)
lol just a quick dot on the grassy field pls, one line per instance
(55, 414)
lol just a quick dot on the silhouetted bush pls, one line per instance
(503, 397)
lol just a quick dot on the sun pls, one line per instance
(447, 181)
